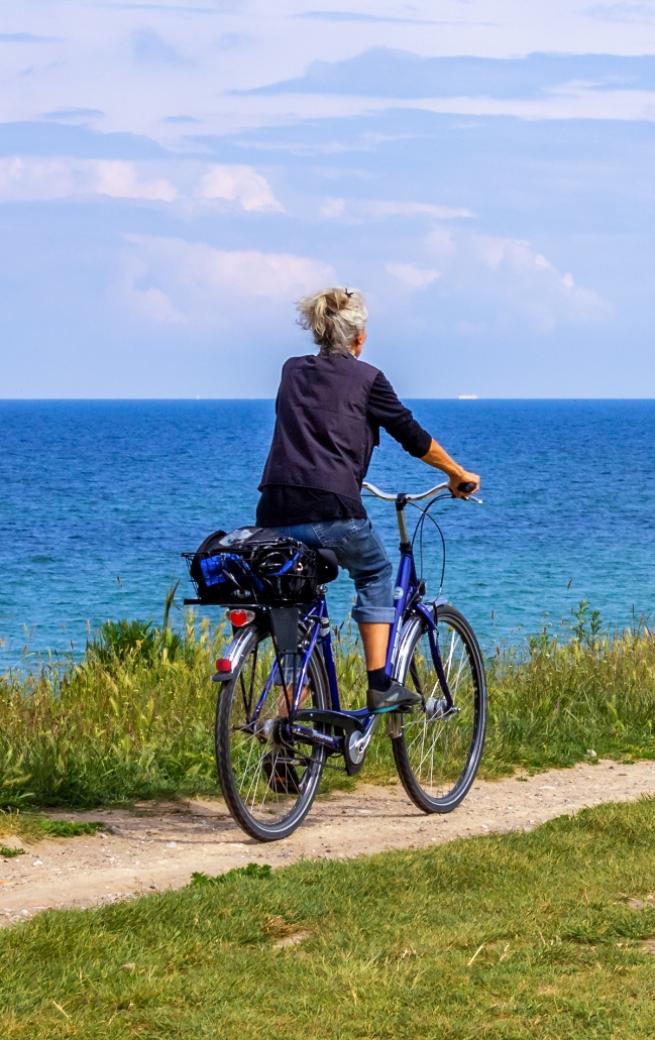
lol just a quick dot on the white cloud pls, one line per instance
(155, 305)
(93, 61)
(500, 284)
(416, 209)
(441, 242)
(507, 280)
(28, 178)
(23, 179)
(121, 180)
(568, 101)
(358, 210)
(641, 13)
(171, 279)
(333, 209)
(413, 276)
(240, 184)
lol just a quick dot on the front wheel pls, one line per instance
(439, 746)
(268, 781)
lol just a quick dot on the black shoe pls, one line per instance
(280, 774)
(397, 696)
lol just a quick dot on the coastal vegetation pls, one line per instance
(134, 718)
(523, 937)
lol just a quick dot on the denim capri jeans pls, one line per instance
(357, 547)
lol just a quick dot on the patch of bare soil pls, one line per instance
(158, 846)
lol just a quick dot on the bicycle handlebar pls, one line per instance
(410, 498)
(415, 498)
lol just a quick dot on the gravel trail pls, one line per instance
(158, 846)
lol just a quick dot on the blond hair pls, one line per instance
(334, 317)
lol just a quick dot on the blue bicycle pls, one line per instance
(279, 716)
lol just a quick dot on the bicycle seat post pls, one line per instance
(401, 502)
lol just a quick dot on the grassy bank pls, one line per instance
(134, 719)
(522, 937)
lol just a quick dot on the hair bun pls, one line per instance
(334, 317)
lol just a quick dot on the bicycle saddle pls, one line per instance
(328, 568)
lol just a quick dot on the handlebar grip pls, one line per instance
(466, 487)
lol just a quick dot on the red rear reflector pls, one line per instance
(239, 618)
(223, 665)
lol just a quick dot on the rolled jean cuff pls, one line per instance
(374, 615)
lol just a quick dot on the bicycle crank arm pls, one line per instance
(312, 736)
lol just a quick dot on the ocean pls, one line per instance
(99, 498)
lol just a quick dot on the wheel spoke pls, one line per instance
(463, 660)
(450, 653)
(246, 768)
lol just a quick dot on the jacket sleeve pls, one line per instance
(386, 410)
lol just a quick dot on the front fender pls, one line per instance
(408, 634)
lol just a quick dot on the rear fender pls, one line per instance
(235, 651)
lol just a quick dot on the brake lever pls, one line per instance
(464, 488)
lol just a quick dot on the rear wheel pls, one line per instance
(268, 781)
(438, 749)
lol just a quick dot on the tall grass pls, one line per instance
(134, 719)
(560, 703)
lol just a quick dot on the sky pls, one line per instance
(173, 176)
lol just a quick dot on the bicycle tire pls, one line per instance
(418, 726)
(285, 809)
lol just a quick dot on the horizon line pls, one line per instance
(464, 399)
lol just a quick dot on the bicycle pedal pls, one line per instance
(393, 709)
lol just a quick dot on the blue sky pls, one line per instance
(173, 176)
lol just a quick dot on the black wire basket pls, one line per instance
(280, 572)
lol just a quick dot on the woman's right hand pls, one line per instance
(463, 476)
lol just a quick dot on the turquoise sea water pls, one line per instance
(98, 498)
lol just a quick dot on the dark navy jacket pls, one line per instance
(329, 411)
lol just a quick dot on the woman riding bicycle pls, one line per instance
(329, 410)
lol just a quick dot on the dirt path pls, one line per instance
(159, 846)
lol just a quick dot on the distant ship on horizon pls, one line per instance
(467, 397)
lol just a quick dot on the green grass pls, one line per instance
(8, 852)
(134, 719)
(68, 828)
(541, 936)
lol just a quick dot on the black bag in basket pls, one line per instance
(253, 565)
